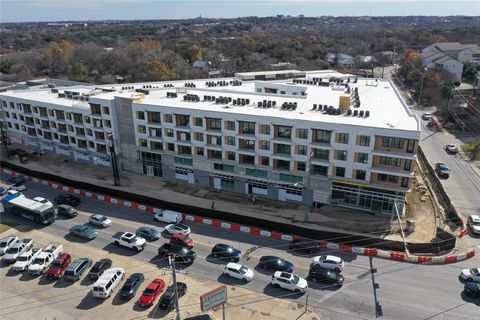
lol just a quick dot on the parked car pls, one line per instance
(100, 220)
(68, 199)
(177, 228)
(238, 271)
(182, 240)
(16, 249)
(17, 179)
(167, 301)
(83, 231)
(329, 262)
(472, 289)
(98, 268)
(26, 259)
(427, 116)
(451, 148)
(275, 263)
(107, 282)
(319, 274)
(181, 254)
(148, 233)
(3, 191)
(59, 266)
(289, 281)
(131, 286)
(473, 222)
(43, 200)
(442, 170)
(66, 210)
(18, 187)
(470, 274)
(151, 293)
(224, 251)
(6, 243)
(168, 216)
(76, 269)
(43, 261)
(305, 245)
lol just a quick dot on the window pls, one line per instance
(142, 142)
(264, 145)
(281, 164)
(214, 154)
(95, 108)
(198, 136)
(140, 115)
(407, 165)
(183, 161)
(410, 146)
(302, 134)
(319, 170)
(230, 155)
(340, 171)
(60, 115)
(246, 127)
(169, 132)
(155, 145)
(321, 136)
(256, 173)
(141, 129)
(341, 155)
(282, 149)
(301, 166)
(283, 132)
(106, 110)
(343, 138)
(168, 118)
(107, 123)
(360, 174)
(182, 120)
(77, 118)
(362, 157)
(264, 129)
(389, 161)
(170, 147)
(405, 182)
(301, 150)
(184, 150)
(289, 178)
(321, 154)
(364, 141)
(230, 140)
(199, 151)
(101, 148)
(214, 124)
(395, 143)
(223, 167)
(387, 178)
(198, 122)
(264, 161)
(230, 125)
(246, 144)
(246, 159)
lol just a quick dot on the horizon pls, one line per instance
(37, 11)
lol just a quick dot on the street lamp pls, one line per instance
(113, 157)
(306, 187)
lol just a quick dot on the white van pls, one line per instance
(104, 286)
(168, 216)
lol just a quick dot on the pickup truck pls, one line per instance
(129, 240)
(6, 243)
(17, 249)
(45, 259)
(26, 259)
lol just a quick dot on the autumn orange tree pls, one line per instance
(157, 70)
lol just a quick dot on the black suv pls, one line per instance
(167, 301)
(305, 245)
(69, 199)
(67, 210)
(317, 273)
(227, 252)
(182, 254)
(99, 268)
(131, 286)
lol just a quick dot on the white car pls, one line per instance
(43, 200)
(100, 220)
(6, 243)
(237, 271)
(451, 148)
(470, 274)
(289, 281)
(177, 228)
(26, 259)
(18, 187)
(473, 222)
(168, 216)
(427, 116)
(329, 262)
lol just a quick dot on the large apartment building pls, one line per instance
(285, 135)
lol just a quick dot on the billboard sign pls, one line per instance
(213, 298)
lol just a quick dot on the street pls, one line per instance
(396, 291)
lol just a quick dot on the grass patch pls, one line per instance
(7, 225)
(472, 150)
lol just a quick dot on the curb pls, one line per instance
(371, 252)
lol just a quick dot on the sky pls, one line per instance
(82, 10)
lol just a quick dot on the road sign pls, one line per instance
(213, 298)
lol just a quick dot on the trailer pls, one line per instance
(39, 212)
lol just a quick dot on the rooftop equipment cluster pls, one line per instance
(191, 97)
(267, 104)
(331, 110)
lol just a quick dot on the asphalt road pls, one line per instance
(402, 291)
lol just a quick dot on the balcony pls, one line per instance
(393, 171)
(395, 153)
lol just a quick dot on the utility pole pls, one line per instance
(171, 263)
(113, 156)
(421, 89)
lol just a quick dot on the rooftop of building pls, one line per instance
(321, 88)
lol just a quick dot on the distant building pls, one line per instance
(202, 64)
(345, 61)
(283, 65)
(330, 57)
(449, 57)
(366, 60)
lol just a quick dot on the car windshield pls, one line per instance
(96, 267)
(56, 264)
(474, 271)
(12, 250)
(186, 239)
(3, 244)
(243, 270)
(22, 258)
(38, 261)
(81, 228)
(476, 222)
(295, 279)
(102, 218)
(148, 292)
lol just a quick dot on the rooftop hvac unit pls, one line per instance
(314, 107)
(349, 112)
(367, 114)
(54, 90)
(235, 102)
(229, 99)
(247, 101)
(361, 113)
(274, 103)
(355, 113)
(61, 95)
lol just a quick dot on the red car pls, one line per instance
(58, 266)
(182, 240)
(151, 292)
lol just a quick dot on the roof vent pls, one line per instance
(355, 113)
(367, 114)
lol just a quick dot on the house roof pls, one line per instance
(474, 48)
(429, 51)
(449, 46)
(444, 59)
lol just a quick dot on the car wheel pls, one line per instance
(227, 275)
(276, 285)
(117, 243)
(245, 279)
